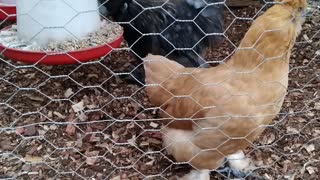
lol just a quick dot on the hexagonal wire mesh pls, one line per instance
(94, 120)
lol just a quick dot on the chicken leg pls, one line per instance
(239, 166)
(197, 175)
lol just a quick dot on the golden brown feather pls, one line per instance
(217, 111)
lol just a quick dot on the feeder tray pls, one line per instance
(59, 58)
(7, 11)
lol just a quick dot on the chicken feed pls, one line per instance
(107, 33)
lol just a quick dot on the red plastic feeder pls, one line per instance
(7, 11)
(60, 58)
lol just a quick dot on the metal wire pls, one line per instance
(58, 124)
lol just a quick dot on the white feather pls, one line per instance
(239, 161)
(197, 175)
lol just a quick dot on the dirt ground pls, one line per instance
(85, 121)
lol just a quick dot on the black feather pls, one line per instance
(182, 28)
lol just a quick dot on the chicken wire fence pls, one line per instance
(93, 120)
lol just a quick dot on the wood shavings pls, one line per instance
(278, 154)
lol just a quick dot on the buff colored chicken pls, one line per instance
(219, 111)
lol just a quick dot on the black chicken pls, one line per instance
(180, 29)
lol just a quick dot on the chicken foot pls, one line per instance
(197, 175)
(239, 166)
(228, 172)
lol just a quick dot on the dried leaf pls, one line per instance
(32, 159)
(130, 125)
(310, 148)
(82, 116)
(150, 163)
(311, 114)
(93, 138)
(116, 178)
(79, 143)
(290, 176)
(115, 135)
(59, 115)
(34, 98)
(305, 61)
(78, 107)
(19, 130)
(6, 145)
(311, 170)
(53, 127)
(50, 114)
(154, 125)
(122, 116)
(30, 131)
(267, 176)
(268, 138)
(92, 106)
(301, 120)
(92, 153)
(292, 130)
(144, 143)
(71, 129)
(142, 116)
(68, 93)
(91, 161)
(132, 141)
(33, 173)
(93, 75)
(154, 141)
(106, 146)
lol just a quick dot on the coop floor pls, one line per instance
(289, 149)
